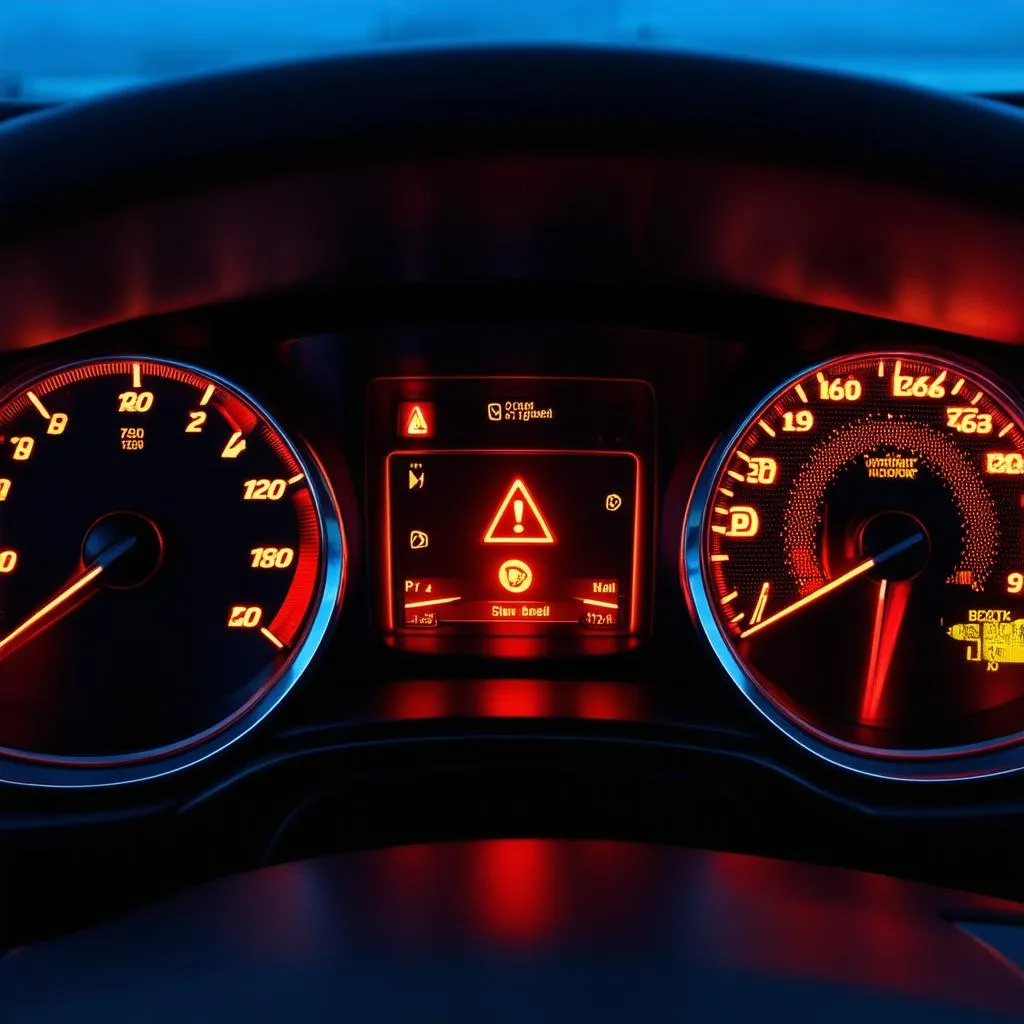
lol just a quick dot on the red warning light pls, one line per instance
(416, 419)
(518, 520)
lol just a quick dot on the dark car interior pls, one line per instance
(512, 533)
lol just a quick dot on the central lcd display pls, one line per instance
(515, 513)
(519, 541)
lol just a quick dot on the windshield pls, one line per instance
(64, 49)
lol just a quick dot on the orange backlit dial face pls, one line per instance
(858, 555)
(168, 559)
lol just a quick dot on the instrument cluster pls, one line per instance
(839, 529)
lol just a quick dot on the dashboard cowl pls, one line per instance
(691, 179)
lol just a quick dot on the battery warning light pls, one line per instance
(416, 419)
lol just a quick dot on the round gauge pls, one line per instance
(854, 554)
(169, 563)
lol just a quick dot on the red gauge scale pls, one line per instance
(169, 563)
(854, 553)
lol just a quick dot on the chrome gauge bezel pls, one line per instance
(20, 768)
(994, 757)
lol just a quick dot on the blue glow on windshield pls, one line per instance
(55, 49)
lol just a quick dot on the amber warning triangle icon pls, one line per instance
(417, 422)
(518, 519)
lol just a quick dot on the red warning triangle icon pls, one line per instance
(518, 520)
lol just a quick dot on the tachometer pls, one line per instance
(169, 562)
(854, 553)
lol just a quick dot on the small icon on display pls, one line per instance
(515, 576)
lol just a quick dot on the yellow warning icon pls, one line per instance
(417, 424)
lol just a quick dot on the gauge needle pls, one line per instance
(72, 594)
(892, 603)
(852, 574)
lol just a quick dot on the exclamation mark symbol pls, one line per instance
(517, 508)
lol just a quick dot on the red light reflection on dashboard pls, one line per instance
(514, 888)
(613, 702)
(419, 698)
(511, 698)
(515, 698)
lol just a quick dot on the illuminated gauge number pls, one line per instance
(135, 401)
(917, 385)
(245, 616)
(133, 439)
(838, 390)
(212, 556)
(1004, 463)
(799, 422)
(967, 420)
(761, 470)
(854, 554)
(272, 558)
(264, 490)
(235, 446)
(23, 448)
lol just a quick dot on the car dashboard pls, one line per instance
(546, 459)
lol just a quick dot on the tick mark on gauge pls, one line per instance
(273, 639)
(40, 408)
(207, 394)
(295, 479)
(762, 603)
(136, 375)
(764, 426)
(802, 395)
(1006, 430)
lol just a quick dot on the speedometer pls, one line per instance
(169, 562)
(854, 554)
